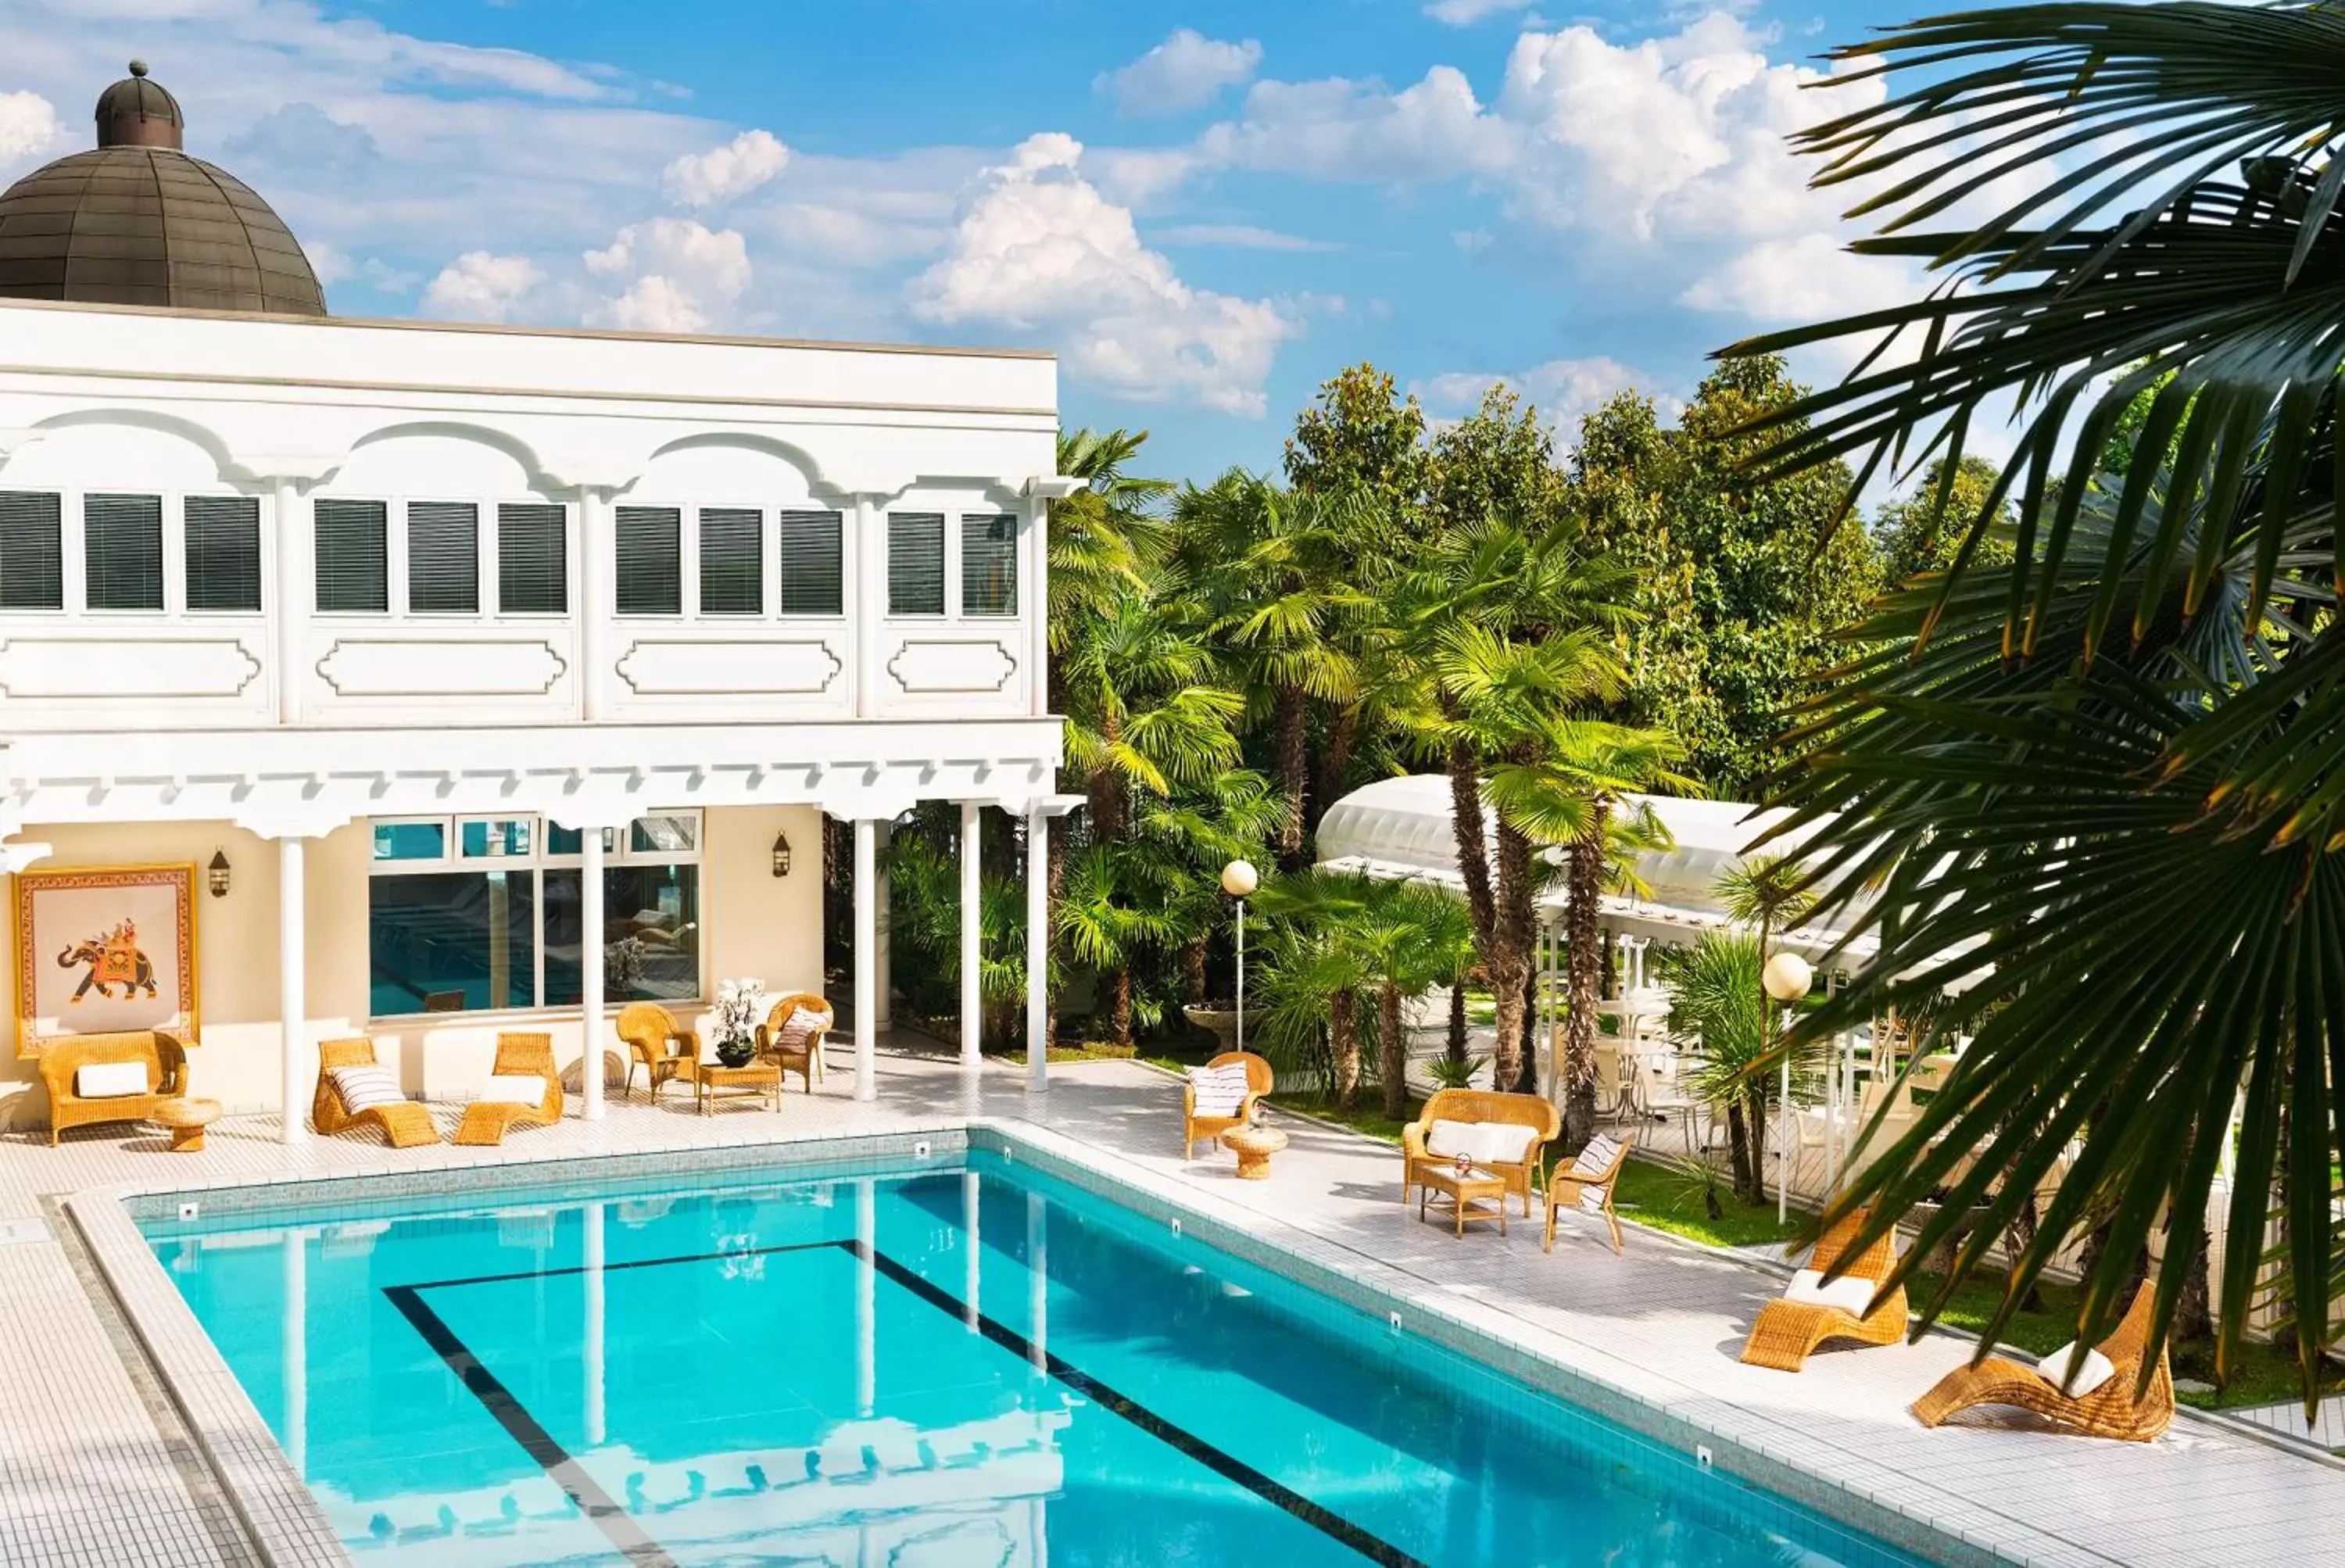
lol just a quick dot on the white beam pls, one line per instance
(593, 512)
(592, 1278)
(292, 1004)
(883, 933)
(972, 893)
(869, 586)
(590, 970)
(867, 956)
(1038, 949)
(290, 612)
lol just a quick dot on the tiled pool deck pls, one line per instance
(101, 1463)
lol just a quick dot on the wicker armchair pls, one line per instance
(807, 1061)
(1259, 1080)
(657, 1043)
(2120, 1408)
(1533, 1111)
(1568, 1185)
(404, 1126)
(167, 1077)
(1787, 1331)
(518, 1055)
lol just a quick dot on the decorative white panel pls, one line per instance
(678, 668)
(385, 666)
(712, 467)
(136, 452)
(976, 664)
(450, 459)
(94, 669)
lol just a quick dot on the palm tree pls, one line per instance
(2104, 783)
(1108, 920)
(1411, 937)
(1185, 838)
(1142, 709)
(1718, 1006)
(1319, 968)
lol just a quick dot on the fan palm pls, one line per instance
(1411, 938)
(1317, 971)
(2104, 783)
(1108, 919)
(1144, 710)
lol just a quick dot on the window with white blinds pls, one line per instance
(353, 557)
(731, 561)
(222, 538)
(988, 564)
(32, 551)
(916, 563)
(650, 576)
(812, 581)
(122, 551)
(443, 558)
(533, 563)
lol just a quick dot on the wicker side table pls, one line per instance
(756, 1080)
(1254, 1147)
(186, 1121)
(1475, 1198)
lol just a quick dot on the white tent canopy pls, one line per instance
(1402, 829)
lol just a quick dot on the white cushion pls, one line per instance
(1504, 1143)
(366, 1089)
(1597, 1157)
(1850, 1294)
(1453, 1138)
(109, 1080)
(2097, 1369)
(1220, 1090)
(516, 1089)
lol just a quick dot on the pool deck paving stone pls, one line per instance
(97, 1469)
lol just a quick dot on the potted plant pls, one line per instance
(735, 1020)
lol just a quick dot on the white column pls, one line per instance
(883, 927)
(867, 956)
(293, 1330)
(1038, 949)
(1035, 602)
(870, 602)
(590, 970)
(593, 614)
(1038, 1274)
(867, 1297)
(292, 1004)
(972, 893)
(291, 610)
(972, 1268)
(593, 1277)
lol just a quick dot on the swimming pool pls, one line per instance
(962, 1362)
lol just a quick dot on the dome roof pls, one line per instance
(138, 222)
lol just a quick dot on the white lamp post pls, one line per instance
(1786, 978)
(1239, 879)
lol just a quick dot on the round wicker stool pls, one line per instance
(1254, 1147)
(186, 1121)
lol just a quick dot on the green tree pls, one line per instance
(1411, 938)
(1362, 435)
(2104, 783)
(1924, 530)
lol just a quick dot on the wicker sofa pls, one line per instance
(165, 1059)
(1532, 1110)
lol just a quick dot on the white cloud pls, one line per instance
(29, 124)
(1342, 129)
(1809, 279)
(1244, 236)
(1564, 390)
(1038, 248)
(723, 173)
(1465, 13)
(1186, 70)
(679, 275)
(480, 287)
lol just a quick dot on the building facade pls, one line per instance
(418, 643)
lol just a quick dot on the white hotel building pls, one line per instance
(457, 654)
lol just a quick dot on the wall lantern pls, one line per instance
(781, 854)
(218, 874)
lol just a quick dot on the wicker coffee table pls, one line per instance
(186, 1121)
(1465, 1195)
(754, 1080)
(1254, 1147)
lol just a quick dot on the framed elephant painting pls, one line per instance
(104, 948)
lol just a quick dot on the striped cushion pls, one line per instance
(798, 1028)
(1220, 1090)
(366, 1089)
(1597, 1157)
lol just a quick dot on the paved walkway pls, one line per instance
(95, 1468)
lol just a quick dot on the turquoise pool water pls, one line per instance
(966, 1365)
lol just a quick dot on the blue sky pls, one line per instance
(1204, 209)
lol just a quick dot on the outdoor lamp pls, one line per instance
(1239, 879)
(218, 874)
(781, 854)
(1787, 977)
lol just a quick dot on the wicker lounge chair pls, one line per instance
(1787, 1331)
(805, 1061)
(165, 1058)
(404, 1126)
(1536, 1111)
(518, 1055)
(1259, 1079)
(657, 1043)
(2111, 1411)
(1567, 1185)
